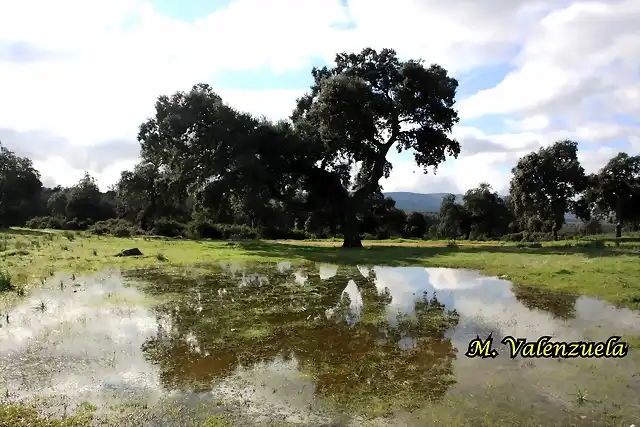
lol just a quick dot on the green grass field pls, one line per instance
(580, 266)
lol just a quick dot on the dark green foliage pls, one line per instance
(168, 227)
(614, 192)
(20, 189)
(513, 237)
(544, 185)
(537, 237)
(115, 227)
(41, 222)
(416, 225)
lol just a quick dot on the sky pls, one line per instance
(77, 78)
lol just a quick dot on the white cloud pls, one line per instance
(577, 56)
(534, 123)
(576, 69)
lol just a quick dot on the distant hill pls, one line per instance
(430, 202)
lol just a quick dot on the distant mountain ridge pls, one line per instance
(430, 202)
(421, 202)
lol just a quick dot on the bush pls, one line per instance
(42, 222)
(58, 223)
(168, 227)
(275, 233)
(76, 224)
(69, 235)
(203, 229)
(537, 237)
(592, 244)
(298, 234)
(238, 232)
(115, 227)
(383, 233)
(592, 227)
(512, 237)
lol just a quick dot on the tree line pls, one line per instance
(210, 171)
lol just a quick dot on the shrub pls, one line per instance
(42, 222)
(537, 237)
(168, 227)
(512, 237)
(297, 234)
(383, 233)
(276, 233)
(238, 232)
(203, 229)
(592, 244)
(115, 227)
(77, 224)
(592, 227)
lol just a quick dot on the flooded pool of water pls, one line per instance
(314, 345)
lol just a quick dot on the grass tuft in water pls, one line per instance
(581, 396)
(41, 307)
(161, 257)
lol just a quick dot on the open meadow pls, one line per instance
(224, 333)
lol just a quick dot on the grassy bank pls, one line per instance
(609, 272)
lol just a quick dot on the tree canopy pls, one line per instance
(545, 184)
(358, 110)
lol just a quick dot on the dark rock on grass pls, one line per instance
(130, 252)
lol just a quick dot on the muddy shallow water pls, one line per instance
(312, 344)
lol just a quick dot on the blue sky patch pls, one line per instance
(189, 10)
(481, 78)
(265, 78)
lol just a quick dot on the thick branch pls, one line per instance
(377, 171)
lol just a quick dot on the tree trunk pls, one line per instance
(555, 234)
(351, 230)
(618, 230)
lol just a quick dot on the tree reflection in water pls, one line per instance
(358, 356)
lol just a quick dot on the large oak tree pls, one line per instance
(614, 192)
(545, 185)
(361, 108)
(20, 188)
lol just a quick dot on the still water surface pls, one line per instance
(313, 344)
